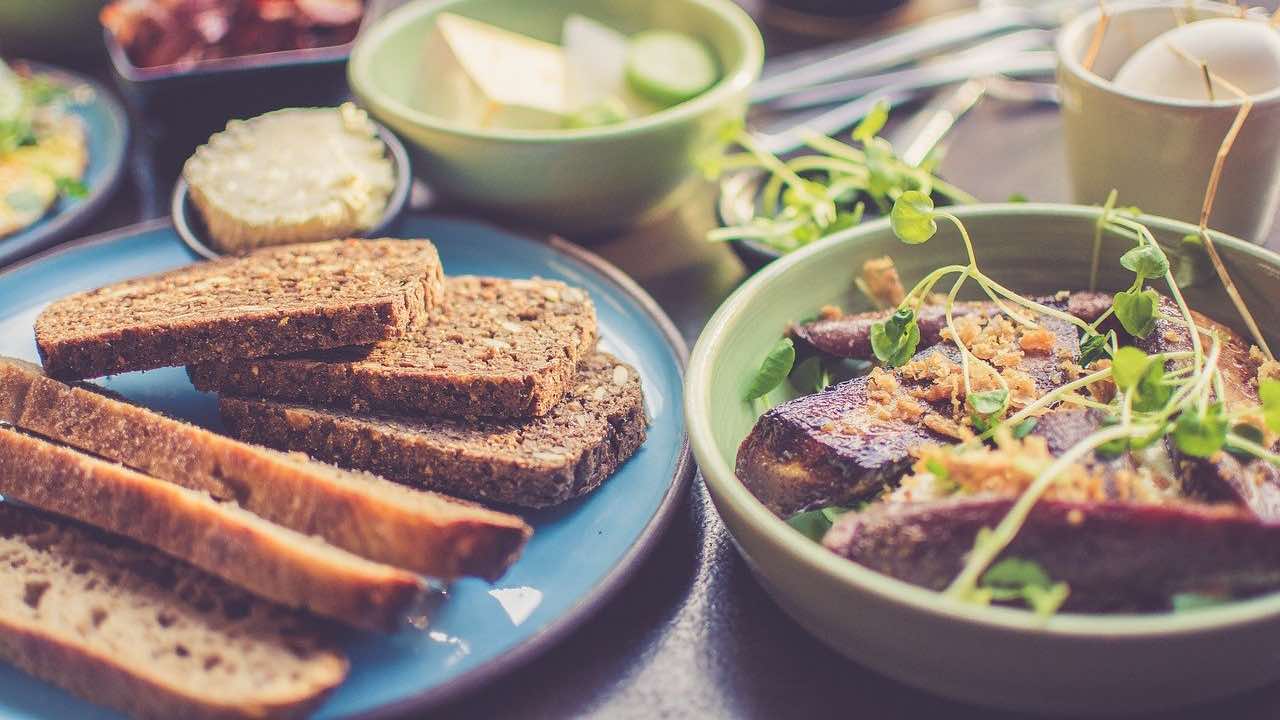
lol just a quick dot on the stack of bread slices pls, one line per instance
(166, 570)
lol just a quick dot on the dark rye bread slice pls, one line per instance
(365, 514)
(126, 627)
(496, 348)
(536, 462)
(275, 301)
(220, 538)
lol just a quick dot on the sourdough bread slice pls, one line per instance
(497, 348)
(278, 300)
(365, 514)
(124, 626)
(531, 463)
(271, 561)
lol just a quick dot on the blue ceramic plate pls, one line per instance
(108, 136)
(580, 553)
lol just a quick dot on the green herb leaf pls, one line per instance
(1025, 427)
(1112, 448)
(1136, 311)
(936, 468)
(809, 376)
(72, 188)
(873, 123)
(1201, 435)
(1016, 572)
(988, 402)
(912, 217)
(1128, 366)
(1095, 347)
(1244, 431)
(1269, 393)
(1017, 198)
(1151, 392)
(813, 524)
(775, 368)
(1016, 578)
(1147, 261)
(1190, 602)
(894, 341)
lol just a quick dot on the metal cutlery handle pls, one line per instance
(792, 73)
(837, 119)
(979, 57)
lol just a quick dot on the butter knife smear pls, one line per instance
(485, 76)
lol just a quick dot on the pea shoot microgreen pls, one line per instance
(894, 341)
(813, 195)
(1136, 310)
(1016, 578)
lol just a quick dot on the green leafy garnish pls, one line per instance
(810, 375)
(72, 188)
(1016, 198)
(1136, 311)
(988, 402)
(1095, 347)
(775, 368)
(1190, 602)
(1201, 435)
(1127, 367)
(1147, 261)
(894, 340)
(1269, 393)
(1151, 393)
(912, 217)
(1019, 579)
(1024, 428)
(814, 524)
(873, 123)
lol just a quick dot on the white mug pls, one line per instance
(1158, 153)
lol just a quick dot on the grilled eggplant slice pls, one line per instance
(1116, 557)
(849, 336)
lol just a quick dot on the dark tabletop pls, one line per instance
(692, 634)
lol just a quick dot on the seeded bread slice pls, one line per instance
(275, 301)
(365, 514)
(531, 463)
(497, 348)
(127, 627)
(271, 561)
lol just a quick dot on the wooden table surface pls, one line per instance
(692, 634)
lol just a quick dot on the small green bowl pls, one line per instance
(1072, 664)
(571, 181)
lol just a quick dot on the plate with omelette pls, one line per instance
(62, 143)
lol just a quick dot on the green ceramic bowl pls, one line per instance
(571, 181)
(994, 656)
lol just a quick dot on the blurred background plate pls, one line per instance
(108, 137)
(581, 552)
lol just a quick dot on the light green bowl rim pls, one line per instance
(727, 489)
(735, 80)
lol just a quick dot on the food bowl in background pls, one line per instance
(1071, 664)
(569, 181)
(191, 228)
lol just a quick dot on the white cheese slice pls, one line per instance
(495, 78)
(597, 61)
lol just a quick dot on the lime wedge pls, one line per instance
(669, 67)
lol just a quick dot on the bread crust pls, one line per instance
(233, 308)
(271, 561)
(364, 514)
(49, 646)
(497, 348)
(530, 463)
